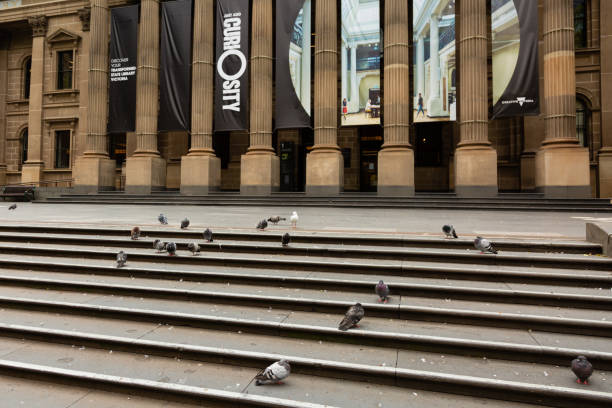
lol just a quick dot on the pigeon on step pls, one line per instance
(274, 373)
(382, 290)
(13, 207)
(484, 246)
(135, 233)
(171, 248)
(285, 239)
(194, 248)
(162, 219)
(352, 317)
(276, 219)
(184, 223)
(449, 231)
(262, 225)
(208, 236)
(121, 259)
(159, 246)
(582, 368)
(294, 219)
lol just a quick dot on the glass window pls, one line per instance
(62, 149)
(23, 147)
(27, 75)
(580, 23)
(64, 69)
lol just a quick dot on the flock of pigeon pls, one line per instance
(278, 371)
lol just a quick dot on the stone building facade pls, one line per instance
(54, 106)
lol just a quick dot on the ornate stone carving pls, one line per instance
(39, 25)
(85, 16)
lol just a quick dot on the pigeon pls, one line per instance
(382, 290)
(274, 373)
(352, 317)
(208, 235)
(285, 240)
(582, 368)
(262, 225)
(294, 219)
(13, 207)
(121, 259)
(160, 246)
(171, 248)
(194, 248)
(484, 246)
(162, 219)
(184, 223)
(135, 233)
(449, 231)
(276, 219)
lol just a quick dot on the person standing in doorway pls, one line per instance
(420, 104)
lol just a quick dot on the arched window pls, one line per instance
(581, 23)
(23, 147)
(27, 74)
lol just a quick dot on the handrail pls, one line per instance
(40, 183)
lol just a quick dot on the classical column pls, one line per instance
(200, 168)
(146, 169)
(260, 166)
(475, 159)
(324, 164)
(32, 171)
(343, 73)
(434, 103)
(354, 105)
(396, 159)
(4, 43)
(562, 165)
(94, 170)
(605, 154)
(420, 63)
(306, 42)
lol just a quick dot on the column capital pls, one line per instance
(85, 17)
(39, 25)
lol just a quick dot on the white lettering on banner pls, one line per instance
(232, 29)
(120, 69)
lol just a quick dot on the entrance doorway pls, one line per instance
(433, 143)
(370, 142)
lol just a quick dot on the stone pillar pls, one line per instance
(605, 154)
(343, 73)
(562, 165)
(200, 168)
(146, 169)
(354, 105)
(260, 166)
(32, 171)
(94, 170)
(306, 43)
(4, 44)
(434, 103)
(475, 159)
(420, 74)
(324, 164)
(396, 159)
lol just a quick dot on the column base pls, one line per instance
(32, 172)
(605, 174)
(396, 172)
(563, 172)
(476, 171)
(93, 174)
(200, 174)
(259, 173)
(434, 107)
(145, 174)
(528, 171)
(324, 172)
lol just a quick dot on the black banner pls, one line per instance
(123, 61)
(175, 66)
(293, 33)
(232, 65)
(521, 96)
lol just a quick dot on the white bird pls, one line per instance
(274, 373)
(294, 219)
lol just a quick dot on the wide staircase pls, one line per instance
(461, 329)
(502, 202)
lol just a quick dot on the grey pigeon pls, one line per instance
(184, 223)
(121, 259)
(449, 231)
(262, 225)
(162, 219)
(171, 248)
(194, 248)
(13, 207)
(159, 246)
(583, 369)
(285, 240)
(484, 246)
(382, 290)
(135, 234)
(208, 237)
(352, 317)
(276, 219)
(274, 373)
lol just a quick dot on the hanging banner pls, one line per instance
(293, 63)
(435, 61)
(122, 71)
(360, 100)
(231, 65)
(175, 66)
(515, 58)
